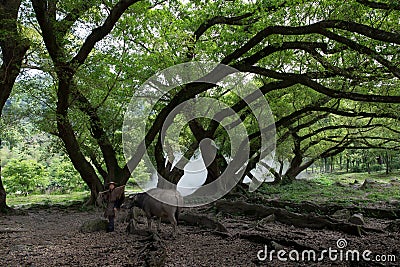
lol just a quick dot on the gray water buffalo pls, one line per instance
(160, 203)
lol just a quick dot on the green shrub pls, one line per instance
(64, 177)
(376, 167)
(395, 165)
(357, 168)
(25, 176)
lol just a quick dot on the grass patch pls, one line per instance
(15, 200)
(55, 198)
(338, 189)
(321, 189)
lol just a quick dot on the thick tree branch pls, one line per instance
(100, 32)
(64, 25)
(337, 127)
(97, 165)
(270, 49)
(238, 20)
(364, 50)
(309, 82)
(393, 5)
(99, 134)
(47, 25)
(316, 28)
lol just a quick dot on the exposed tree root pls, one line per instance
(290, 218)
(200, 220)
(394, 226)
(273, 243)
(9, 230)
(154, 252)
(379, 213)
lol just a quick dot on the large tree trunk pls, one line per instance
(387, 161)
(295, 163)
(67, 135)
(3, 195)
(13, 48)
(113, 171)
(80, 163)
(54, 38)
(293, 170)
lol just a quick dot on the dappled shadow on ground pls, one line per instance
(51, 237)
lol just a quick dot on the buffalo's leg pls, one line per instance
(171, 218)
(149, 223)
(159, 224)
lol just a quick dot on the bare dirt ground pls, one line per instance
(51, 237)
